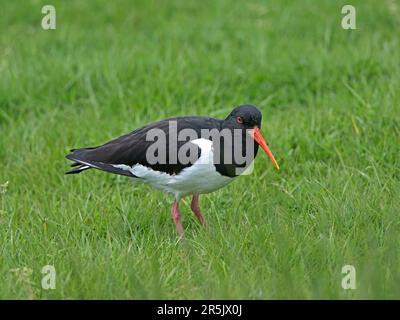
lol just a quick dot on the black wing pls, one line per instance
(132, 148)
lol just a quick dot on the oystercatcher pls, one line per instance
(181, 156)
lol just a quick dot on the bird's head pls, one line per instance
(248, 118)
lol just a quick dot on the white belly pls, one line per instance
(201, 177)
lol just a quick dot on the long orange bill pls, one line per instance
(257, 136)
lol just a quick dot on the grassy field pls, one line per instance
(331, 105)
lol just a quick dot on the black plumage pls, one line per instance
(131, 149)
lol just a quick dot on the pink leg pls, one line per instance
(176, 215)
(194, 205)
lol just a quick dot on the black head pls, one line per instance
(244, 117)
(247, 118)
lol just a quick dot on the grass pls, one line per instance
(330, 99)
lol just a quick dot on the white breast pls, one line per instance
(201, 177)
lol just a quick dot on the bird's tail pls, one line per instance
(78, 164)
(79, 169)
(83, 160)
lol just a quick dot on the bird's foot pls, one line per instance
(194, 205)
(176, 216)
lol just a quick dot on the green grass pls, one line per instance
(330, 99)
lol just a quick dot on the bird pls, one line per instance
(181, 156)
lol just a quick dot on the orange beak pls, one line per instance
(257, 136)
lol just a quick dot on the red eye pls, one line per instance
(239, 120)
